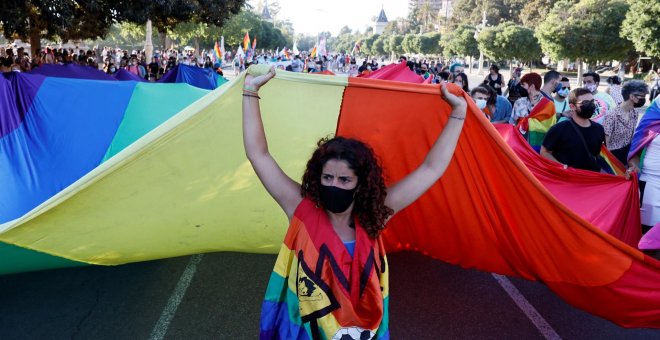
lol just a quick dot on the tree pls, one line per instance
(497, 11)
(411, 44)
(426, 15)
(32, 20)
(430, 43)
(396, 26)
(268, 36)
(508, 41)
(378, 46)
(534, 11)
(588, 30)
(642, 26)
(394, 44)
(460, 42)
(367, 44)
(74, 19)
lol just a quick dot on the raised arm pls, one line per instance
(406, 191)
(283, 189)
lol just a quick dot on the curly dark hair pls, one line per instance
(369, 206)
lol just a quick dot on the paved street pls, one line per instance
(429, 300)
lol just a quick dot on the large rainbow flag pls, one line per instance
(76, 193)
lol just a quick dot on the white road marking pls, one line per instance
(527, 308)
(159, 331)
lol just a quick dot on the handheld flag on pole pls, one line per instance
(295, 49)
(246, 41)
(356, 47)
(217, 52)
(254, 44)
(313, 53)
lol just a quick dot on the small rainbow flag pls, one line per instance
(246, 41)
(217, 52)
(254, 43)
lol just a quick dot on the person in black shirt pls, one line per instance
(576, 142)
(153, 68)
(514, 89)
(494, 79)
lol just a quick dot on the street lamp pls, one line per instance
(479, 28)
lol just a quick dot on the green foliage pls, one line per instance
(166, 14)
(378, 46)
(508, 41)
(470, 11)
(394, 44)
(367, 44)
(411, 44)
(54, 20)
(588, 30)
(430, 43)
(203, 35)
(268, 36)
(642, 26)
(75, 19)
(534, 11)
(460, 42)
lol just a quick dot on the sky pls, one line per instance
(312, 17)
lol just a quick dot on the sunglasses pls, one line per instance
(565, 87)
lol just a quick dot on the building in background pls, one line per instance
(380, 22)
(265, 14)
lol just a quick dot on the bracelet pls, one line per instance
(251, 92)
(455, 117)
(249, 89)
(251, 95)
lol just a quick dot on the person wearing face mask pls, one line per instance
(496, 108)
(336, 218)
(577, 141)
(514, 89)
(534, 114)
(480, 96)
(551, 83)
(644, 158)
(619, 124)
(604, 102)
(560, 99)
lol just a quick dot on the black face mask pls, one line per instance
(640, 103)
(587, 110)
(336, 200)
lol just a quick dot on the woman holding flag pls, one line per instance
(330, 280)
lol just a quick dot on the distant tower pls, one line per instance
(381, 22)
(265, 14)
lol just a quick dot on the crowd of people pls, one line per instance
(571, 125)
(108, 59)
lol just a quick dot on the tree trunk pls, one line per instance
(163, 38)
(579, 72)
(197, 51)
(470, 64)
(35, 41)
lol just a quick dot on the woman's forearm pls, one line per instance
(254, 137)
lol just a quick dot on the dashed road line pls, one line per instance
(543, 326)
(160, 329)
